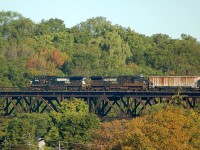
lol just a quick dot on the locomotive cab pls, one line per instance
(140, 82)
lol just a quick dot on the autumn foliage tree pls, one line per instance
(169, 128)
(46, 62)
(58, 57)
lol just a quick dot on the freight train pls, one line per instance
(120, 83)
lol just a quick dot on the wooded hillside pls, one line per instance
(93, 47)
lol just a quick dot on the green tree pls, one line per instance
(24, 130)
(8, 16)
(72, 123)
(90, 29)
(46, 27)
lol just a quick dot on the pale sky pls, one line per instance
(171, 17)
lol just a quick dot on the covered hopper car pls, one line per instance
(173, 82)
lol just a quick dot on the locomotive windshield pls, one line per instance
(140, 79)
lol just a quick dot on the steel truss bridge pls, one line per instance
(103, 103)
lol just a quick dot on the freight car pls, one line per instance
(164, 83)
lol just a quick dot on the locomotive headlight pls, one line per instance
(84, 81)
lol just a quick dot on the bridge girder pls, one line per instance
(104, 104)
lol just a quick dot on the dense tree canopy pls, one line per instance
(93, 47)
(168, 128)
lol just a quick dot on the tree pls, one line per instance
(91, 29)
(46, 62)
(72, 123)
(8, 16)
(168, 128)
(23, 131)
(50, 26)
(58, 57)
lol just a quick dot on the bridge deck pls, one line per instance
(98, 93)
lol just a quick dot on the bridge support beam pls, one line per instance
(13, 105)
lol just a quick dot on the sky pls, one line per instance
(148, 17)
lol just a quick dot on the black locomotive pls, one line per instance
(93, 83)
(120, 83)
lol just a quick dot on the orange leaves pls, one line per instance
(58, 57)
(30, 63)
(109, 134)
(170, 128)
(46, 62)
